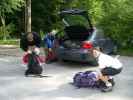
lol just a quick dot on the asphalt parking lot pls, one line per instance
(14, 86)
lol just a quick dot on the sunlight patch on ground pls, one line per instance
(5, 60)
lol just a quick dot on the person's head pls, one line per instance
(29, 36)
(95, 52)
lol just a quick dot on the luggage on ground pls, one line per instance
(85, 79)
(88, 79)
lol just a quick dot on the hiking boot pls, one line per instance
(112, 81)
(108, 84)
(107, 89)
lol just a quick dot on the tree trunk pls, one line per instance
(3, 27)
(28, 16)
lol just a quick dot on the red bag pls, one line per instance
(50, 56)
(25, 59)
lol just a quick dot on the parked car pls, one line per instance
(79, 37)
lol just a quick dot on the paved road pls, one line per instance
(14, 86)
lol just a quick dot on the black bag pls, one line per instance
(34, 68)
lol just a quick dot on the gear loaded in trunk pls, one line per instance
(76, 34)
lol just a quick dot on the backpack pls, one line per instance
(34, 67)
(85, 79)
(49, 41)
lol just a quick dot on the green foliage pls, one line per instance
(10, 42)
(8, 7)
(126, 51)
(6, 31)
(115, 17)
(117, 21)
(45, 15)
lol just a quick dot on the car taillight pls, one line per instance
(87, 45)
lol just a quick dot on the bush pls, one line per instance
(117, 22)
(6, 31)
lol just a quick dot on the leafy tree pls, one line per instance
(117, 21)
(8, 7)
(115, 17)
(45, 14)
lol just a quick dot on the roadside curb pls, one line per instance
(9, 46)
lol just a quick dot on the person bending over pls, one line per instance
(108, 66)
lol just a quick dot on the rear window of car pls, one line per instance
(73, 20)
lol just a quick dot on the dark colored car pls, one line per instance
(80, 36)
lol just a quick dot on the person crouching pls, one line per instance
(108, 66)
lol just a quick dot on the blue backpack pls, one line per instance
(85, 79)
(49, 41)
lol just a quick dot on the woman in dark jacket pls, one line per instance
(30, 42)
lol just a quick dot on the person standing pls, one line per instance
(49, 43)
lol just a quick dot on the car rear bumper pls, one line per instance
(82, 55)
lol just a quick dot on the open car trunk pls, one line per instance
(76, 34)
(78, 27)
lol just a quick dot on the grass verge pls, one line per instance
(9, 42)
(126, 51)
